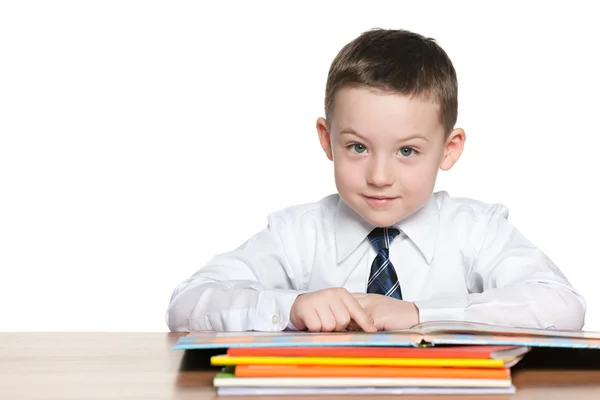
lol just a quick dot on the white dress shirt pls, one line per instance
(456, 259)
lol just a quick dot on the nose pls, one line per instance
(380, 172)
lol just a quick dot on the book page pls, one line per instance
(434, 327)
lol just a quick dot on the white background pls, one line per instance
(137, 135)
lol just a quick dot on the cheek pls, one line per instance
(421, 177)
(347, 173)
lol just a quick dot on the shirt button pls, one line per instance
(275, 319)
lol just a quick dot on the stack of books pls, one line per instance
(366, 370)
(442, 357)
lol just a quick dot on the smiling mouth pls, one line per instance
(380, 197)
(379, 201)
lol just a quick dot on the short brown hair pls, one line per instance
(398, 61)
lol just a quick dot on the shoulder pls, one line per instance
(468, 210)
(474, 225)
(301, 227)
(472, 222)
(322, 211)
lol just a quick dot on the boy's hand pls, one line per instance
(388, 313)
(329, 310)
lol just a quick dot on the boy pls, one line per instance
(385, 252)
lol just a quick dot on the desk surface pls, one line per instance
(143, 366)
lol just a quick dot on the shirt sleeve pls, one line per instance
(511, 283)
(250, 288)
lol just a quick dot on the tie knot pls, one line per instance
(380, 238)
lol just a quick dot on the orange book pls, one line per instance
(488, 352)
(330, 371)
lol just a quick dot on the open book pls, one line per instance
(425, 334)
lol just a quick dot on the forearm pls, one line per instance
(249, 288)
(229, 306)
(527, 304)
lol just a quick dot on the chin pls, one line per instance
(377, 216)
(381, 218)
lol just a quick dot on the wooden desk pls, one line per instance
(143, 366)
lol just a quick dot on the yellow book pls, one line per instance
(416, 362)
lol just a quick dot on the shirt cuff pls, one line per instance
(273, 309)
(444, 309)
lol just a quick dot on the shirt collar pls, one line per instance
(420, 227)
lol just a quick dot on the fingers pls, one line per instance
(312, 321)
(353, 326)
(322, 319)
(341, 314)
(358, 314)
(329, 310)
(297, 322)
(296, 314)
(327, 319)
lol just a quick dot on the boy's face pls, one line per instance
(387, 150)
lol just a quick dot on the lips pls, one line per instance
(381, 197)
(380, 201)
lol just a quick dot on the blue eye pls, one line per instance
(406, 151)
(358, 148)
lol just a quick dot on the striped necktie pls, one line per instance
(383, 279)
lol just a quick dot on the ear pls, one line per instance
(324, 137)
(453, 148)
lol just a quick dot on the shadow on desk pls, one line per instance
(199, 360)
(537, 358)
(560, 358)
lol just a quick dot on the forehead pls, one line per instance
(370, 111)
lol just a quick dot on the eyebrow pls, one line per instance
(351, 132)
(404, 139)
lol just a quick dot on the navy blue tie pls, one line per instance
(383, 279)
